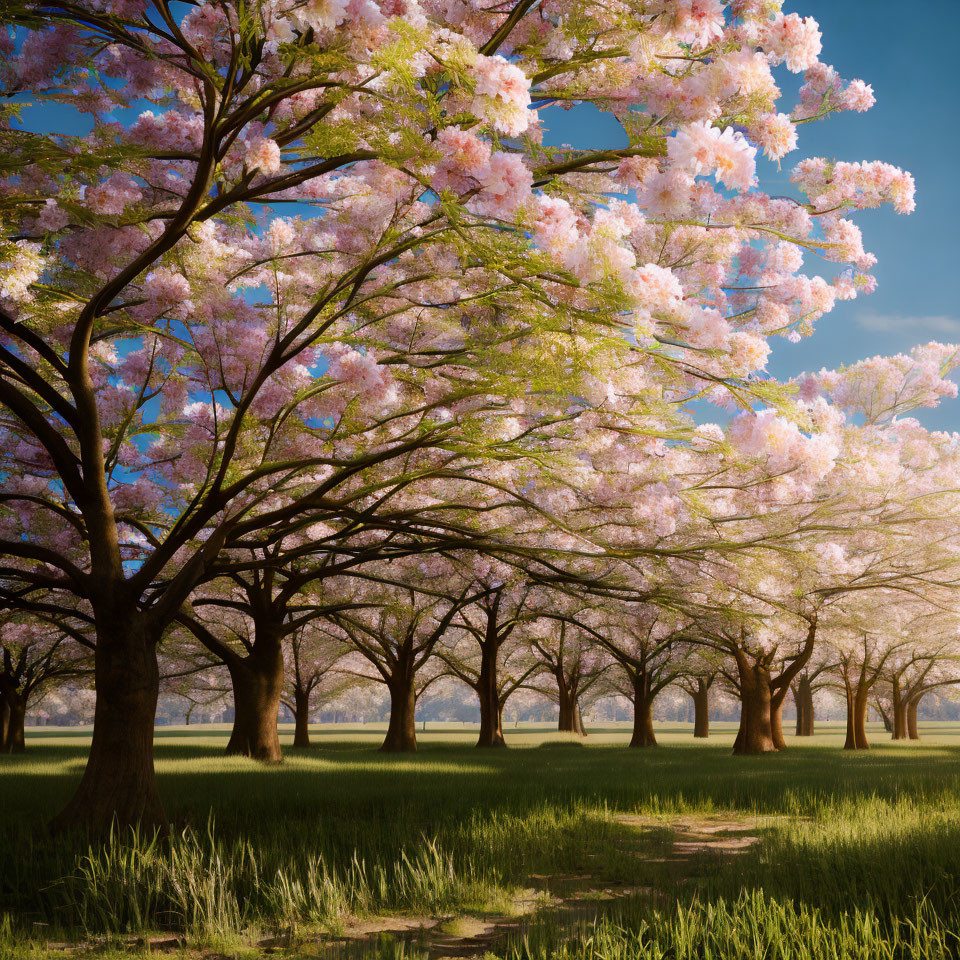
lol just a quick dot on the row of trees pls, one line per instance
(506, 636)
(333, 347)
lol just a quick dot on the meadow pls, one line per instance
(551, 849)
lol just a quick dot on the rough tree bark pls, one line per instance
(402, 732)
(491, 710)
(899, 711)
(701, 709)
(857, 702)
(776, 723)
(762, 696)
(805, 688)
(14, 740)
(257, 681)
(798, 732)
(643, 735)
(913, 731)
(578, 728)
(119, 783)
(799, 698)
(755, 734)
(570, 720)
(301, 718)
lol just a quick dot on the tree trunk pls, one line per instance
(899, 711)
(798, 700)
(402, 732)
(756, 733)
(913, 731)
(13, 739)
(803, 695)
(4, 719)
(578, 728)
(301, 718)
(643, 735)
(701, 710)
(857, 702)
(119, 783)
(809, 717)
(776, 724)
(491, 720)
(570, 720)
(257, 686)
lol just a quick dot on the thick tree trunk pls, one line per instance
(402, 732)
(570, 720)
(301, 718)
(119, 783)
(803, 695)
(913, 731)
(257, 686)
(701, 710)
(14, 740)
(4, 719)
(578, 728)
(491, 719)
(857, 702)
(756, 733)
(643, 735)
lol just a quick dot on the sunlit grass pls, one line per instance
(850, 846)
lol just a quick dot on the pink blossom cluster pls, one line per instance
(831, 186)
(502, 95)
(498, 182)
(883, 387)
(112, 196)
(782, 446)
(700, 148)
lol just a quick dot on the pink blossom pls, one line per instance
(697, 22)
(502, 94)
(263, 154)
(793, 40)
(507, 183)
(112, 196)
(858, 96)
(701, 148)
(556, 224)
(667, 193)
(777, 134)
(52, 217)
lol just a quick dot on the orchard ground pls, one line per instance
(555, 848)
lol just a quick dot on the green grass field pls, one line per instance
(549, 849)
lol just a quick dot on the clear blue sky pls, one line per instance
(915, 124)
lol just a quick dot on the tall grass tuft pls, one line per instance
(754, 926)
(212, 889)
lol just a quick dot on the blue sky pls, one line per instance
(915, 125)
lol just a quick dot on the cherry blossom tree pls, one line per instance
(36, 656)
(811, 679)
(488, 650)
(395, 626)
(451, 264)
(312, 656)
(696, 676)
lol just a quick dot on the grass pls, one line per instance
(857, 855)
